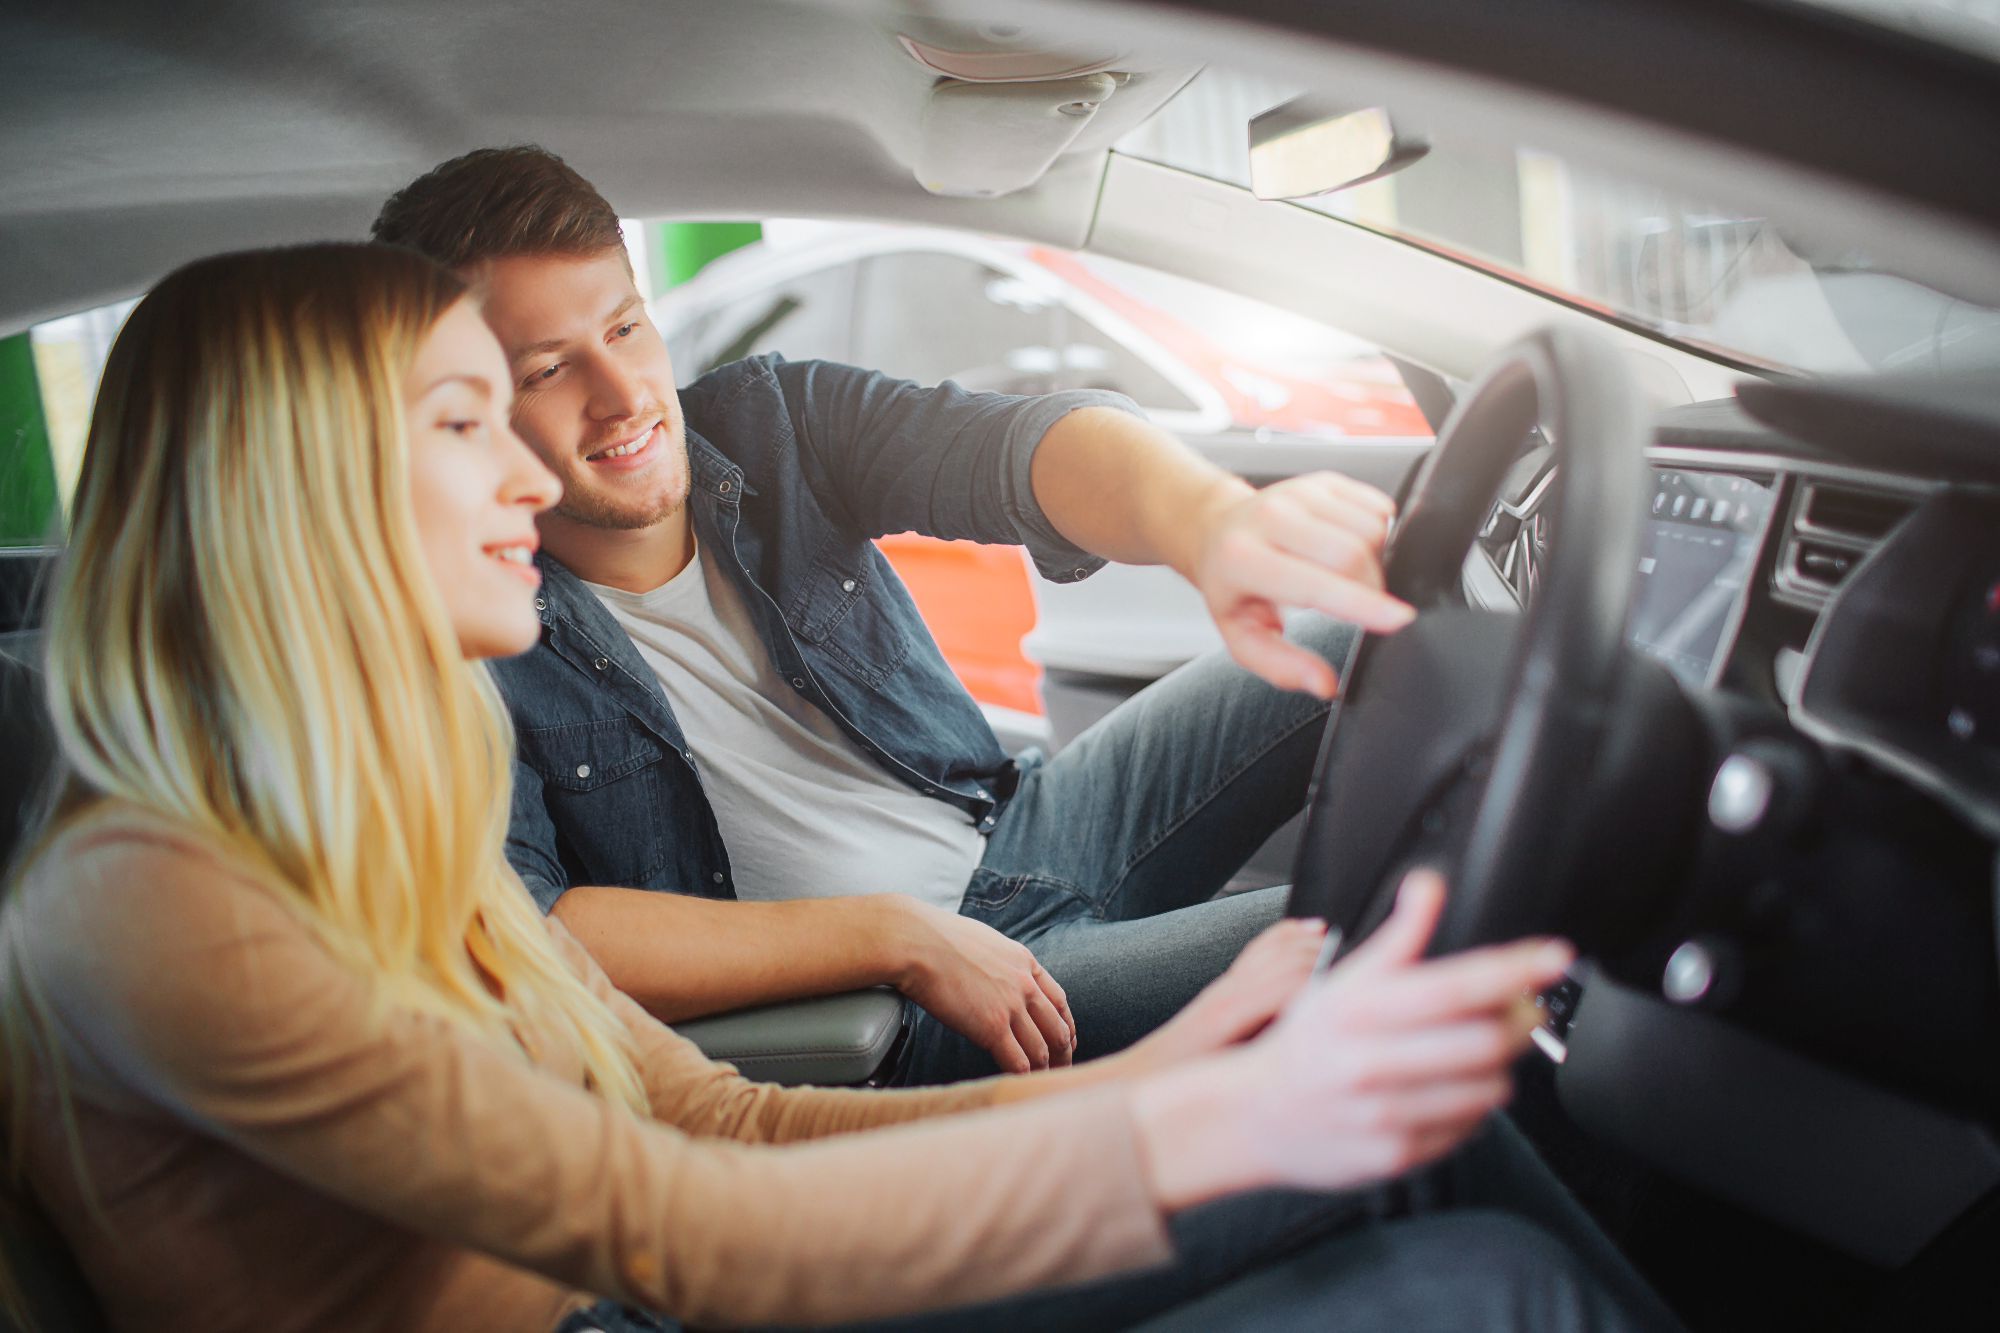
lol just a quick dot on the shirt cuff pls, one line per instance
(543, 892)
(1059, 559)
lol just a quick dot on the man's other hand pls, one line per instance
(985, 987)
(1312, 541)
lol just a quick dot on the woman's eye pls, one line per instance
(464, 427)
(625, 330)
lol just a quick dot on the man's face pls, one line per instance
(593, 386)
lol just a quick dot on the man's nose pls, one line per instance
(616, 390)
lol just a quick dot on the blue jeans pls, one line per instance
(1107, 861)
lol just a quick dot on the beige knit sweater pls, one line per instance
(264, 1156)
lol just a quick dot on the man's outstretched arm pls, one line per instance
(1124, 489)
(684, 957)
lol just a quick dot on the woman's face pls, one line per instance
(476, 488)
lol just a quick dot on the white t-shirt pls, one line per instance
(803, 810)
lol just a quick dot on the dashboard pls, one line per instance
(1865, 602)
(1703, 532)
(1825, 589)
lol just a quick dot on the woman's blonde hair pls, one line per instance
(245, 637)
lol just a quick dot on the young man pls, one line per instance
(735, 700)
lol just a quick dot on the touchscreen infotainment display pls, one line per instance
(1695, 559)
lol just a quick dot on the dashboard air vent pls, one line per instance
(1849, 513)
(1831, 530)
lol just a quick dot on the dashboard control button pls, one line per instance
(1740, 796)
(1690, 973)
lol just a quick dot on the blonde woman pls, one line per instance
(289, 1048)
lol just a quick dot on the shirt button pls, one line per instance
(583, 770)
(717, 877)
(601, 663)
(799, 682)
(1079, 573)
(726, 487)
(541, 603)
(930, 791)
(982, 793)
(847, 585)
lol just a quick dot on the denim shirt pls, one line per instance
(794, 466)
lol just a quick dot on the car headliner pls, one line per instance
(140, 136)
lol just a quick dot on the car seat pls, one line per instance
(56, 1298)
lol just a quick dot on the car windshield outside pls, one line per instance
(1688, 270)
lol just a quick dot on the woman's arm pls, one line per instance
(700, 1097)
(197, 992)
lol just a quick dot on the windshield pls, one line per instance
(1686, 269)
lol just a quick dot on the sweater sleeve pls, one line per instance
(176, 980)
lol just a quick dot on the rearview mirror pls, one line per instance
(1308, 147)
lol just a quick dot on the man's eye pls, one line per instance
(542, 376)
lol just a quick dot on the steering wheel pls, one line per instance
(1470, 739)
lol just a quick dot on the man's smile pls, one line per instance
(627, 454)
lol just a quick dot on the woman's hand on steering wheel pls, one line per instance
(1387, 1063)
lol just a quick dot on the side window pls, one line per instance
(48, 380)
(1093, 359)
(807, 318)
(929, 316)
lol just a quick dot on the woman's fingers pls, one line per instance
(1479, 981)
(1435, 1141)
(1401, 939)
(1426, 1055)
(1443, 1105)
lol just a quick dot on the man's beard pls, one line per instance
(627, 514)
(603, 511)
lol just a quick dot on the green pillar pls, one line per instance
(681, 249)
(28, 511)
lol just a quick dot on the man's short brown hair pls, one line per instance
(496, 203)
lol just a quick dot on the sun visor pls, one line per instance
(1004, 64)
(1000, 102)
(985, 139)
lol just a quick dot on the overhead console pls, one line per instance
(1002, 104)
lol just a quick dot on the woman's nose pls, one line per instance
(528, 480)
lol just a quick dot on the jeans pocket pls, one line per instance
(988, 890)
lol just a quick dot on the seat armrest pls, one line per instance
(832, 1041)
